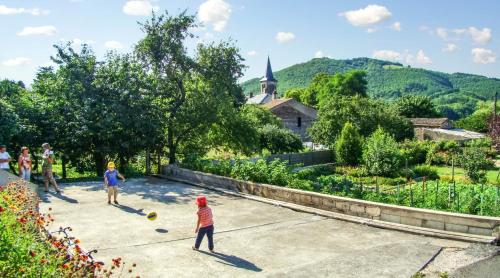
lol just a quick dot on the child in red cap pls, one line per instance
(205, 224)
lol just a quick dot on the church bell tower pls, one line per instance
(268, 83)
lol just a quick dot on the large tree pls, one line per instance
(413, 106)
(364, 113)
(193, 94)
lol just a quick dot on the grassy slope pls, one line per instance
(389, 80)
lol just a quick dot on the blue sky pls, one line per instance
(449, 36)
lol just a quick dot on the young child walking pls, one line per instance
(205, 224)
(111, 181)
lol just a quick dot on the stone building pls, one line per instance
(438, 129)
(295, 116)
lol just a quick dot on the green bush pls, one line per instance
(381, 155)
(349, 146)
(279, 140)
(474, 161)
(313, 172)
(414, 151)
(425, 171)
(442, 152)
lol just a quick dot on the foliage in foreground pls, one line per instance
(28, 250)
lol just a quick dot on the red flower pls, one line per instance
(43, 261)
(1, 209)
(116, 262)
(32, 253)
(22, 220)
(83, 258)
(65, 266)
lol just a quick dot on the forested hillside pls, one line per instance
(455, 94)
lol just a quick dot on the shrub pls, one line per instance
(474, 161)
(414, 151)
(442, 152)
(348, 147)
(313, 172)
(279, 140)
(425, 171)
(381, 155)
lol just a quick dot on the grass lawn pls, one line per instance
(491, 175)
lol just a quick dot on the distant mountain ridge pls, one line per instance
(389, 80)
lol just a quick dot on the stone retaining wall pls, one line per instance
(454, 222)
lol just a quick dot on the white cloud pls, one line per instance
(216, 13)
(371, 14)
(483, 56)
(113, 45)
(396, 26)
(252, 53)
(18, 61)
(283, 37)
(480, 36)
(390, 55)
(406, 57)
(442, 33)
(422, 58)
(139, 7)
(47, 30)
(319, 54)
(4, 10)
(450, 47)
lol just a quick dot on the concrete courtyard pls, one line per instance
(252, 238)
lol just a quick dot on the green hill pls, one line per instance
(455, 94)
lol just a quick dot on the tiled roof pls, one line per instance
(428, 122)
(275, 103)
(259, 99)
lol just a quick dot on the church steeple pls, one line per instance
(268, 82)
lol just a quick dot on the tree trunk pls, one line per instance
(148, 163)
(64, 162)
(158, 170)
(171, 146)
(99, 164)
(123, 163)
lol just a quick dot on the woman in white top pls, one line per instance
(24, 163)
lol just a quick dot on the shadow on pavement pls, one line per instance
(160, 190)
(131, 210)
(45, 197)
(161, 231)
(234, 261)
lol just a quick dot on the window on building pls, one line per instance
(299, 122)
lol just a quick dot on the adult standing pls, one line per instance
(4, 158)
(48, 160)
(24, 164)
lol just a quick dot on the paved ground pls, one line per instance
(252, 238)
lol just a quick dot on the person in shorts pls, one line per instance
(48, 160)
(4, 158)
(111, 181)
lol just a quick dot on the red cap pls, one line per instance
(201, 201)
